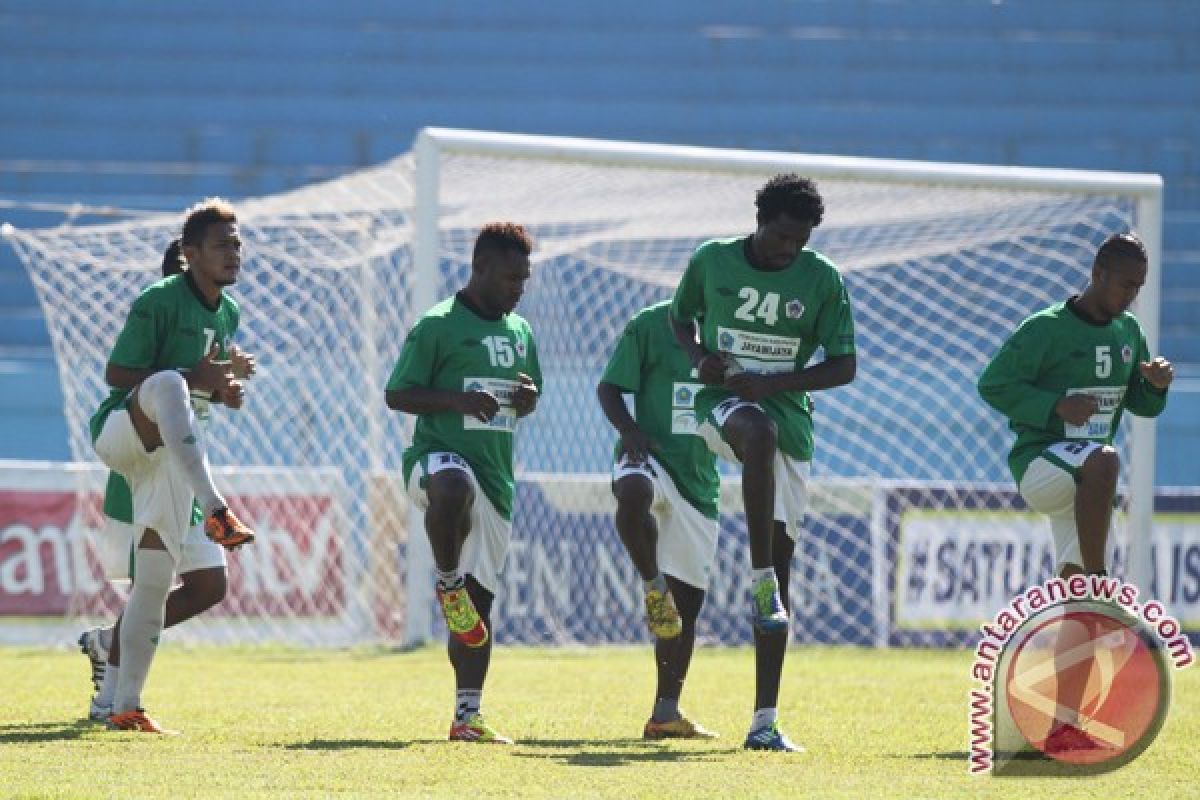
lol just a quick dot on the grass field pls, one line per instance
(260, 723)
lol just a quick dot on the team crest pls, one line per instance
(521, 348)
(794, 308)
(725, 341)
(1126, 354)
(683, 396)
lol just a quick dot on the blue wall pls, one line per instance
(153, 105)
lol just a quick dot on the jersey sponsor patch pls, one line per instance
(761, 353)
(440, 461)
(1100, 424)
(683, 407)
(506, 418)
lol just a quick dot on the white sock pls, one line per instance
(108, 687)
(142, 624)
(764, 574)
(451, 579)
(165, 399)
(763, 718)
(466, 703)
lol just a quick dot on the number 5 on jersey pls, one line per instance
(1103, 361)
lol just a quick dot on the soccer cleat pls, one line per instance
(227, 530)
(462, 619)
(137, 721)
(682, 728)
(476, 729)
(771, 738)
(769, 613)
(661, 614)
(99, 713)
(1066, 738)
(92, 646)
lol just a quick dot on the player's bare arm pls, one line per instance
(634, 442)
(1159, 372)
(829, 374)
(419, 400)
(710, 366)
(525, 395)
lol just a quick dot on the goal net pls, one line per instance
(914, 533)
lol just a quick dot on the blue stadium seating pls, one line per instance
(254, 98)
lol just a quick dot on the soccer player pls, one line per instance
(468, 371)
(201, 569)
(166, 371)
(764, 304)
(666, 485)
(1063, 380)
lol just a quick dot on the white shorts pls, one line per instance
(791, 474)
(162, 498)
(687, 540)
(486, 545)
(118, 540)
(1048, 487)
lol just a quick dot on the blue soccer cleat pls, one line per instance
(771, 738)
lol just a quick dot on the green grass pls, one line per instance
(261, 723)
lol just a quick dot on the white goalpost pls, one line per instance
(915, 533)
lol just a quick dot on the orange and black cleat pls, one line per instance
(227, 530)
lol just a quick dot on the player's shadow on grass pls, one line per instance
(1022, 764)
(951, 755)
(45, 731)
(355, 744)
(614, 752)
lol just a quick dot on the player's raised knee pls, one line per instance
(633, 492)
(1103, 466)
(451, 487)
(760, 434)
(159, 389)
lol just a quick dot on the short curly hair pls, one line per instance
(1121, 247)
(209, 211)
(792, 195)
(502, 237)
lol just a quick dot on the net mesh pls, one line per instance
(938, 277)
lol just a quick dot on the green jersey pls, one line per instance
(649, 363)
(770, 321)
(1054, 353)
(171, 326)
(453, 348)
